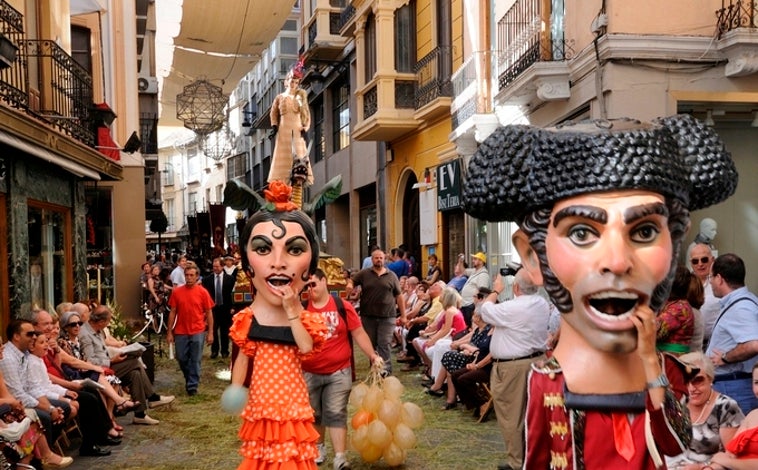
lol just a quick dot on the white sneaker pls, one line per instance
(321, 454)
(146, 420)
(341, 462)
(165, 400)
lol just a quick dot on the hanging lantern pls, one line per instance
(200, 106)
(219, 144)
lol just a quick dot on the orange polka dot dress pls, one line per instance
(277, 430)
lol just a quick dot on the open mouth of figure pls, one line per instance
(279, 281)
(614, 305)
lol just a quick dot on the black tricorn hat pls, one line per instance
(519, 168)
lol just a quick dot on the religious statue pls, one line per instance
(291, 118)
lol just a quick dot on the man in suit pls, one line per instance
(223, 310)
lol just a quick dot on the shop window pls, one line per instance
(99, 237)
(50, 268)
(341, 115)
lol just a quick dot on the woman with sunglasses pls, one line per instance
(742, 451)
(74, 366)
(715, 417)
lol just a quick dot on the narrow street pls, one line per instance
(195, 434)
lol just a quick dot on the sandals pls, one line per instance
(436, 393)
(125, 407)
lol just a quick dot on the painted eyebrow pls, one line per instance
(259, 238)
(587, 212)
(296, 238)
(636, 213)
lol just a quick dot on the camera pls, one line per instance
(510, 269)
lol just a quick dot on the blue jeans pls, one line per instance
(189, 352)
(741, 390)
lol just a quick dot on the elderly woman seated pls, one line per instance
(715, 417)
(74, 367)
(468, 355)
(435, 340)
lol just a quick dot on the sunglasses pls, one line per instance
(697, 380)
(32, 334)
(696, 261)
(75, 323)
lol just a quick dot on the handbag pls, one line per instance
(12, 432)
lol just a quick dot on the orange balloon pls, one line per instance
(371, 453)
(362, 417)
(393, 455)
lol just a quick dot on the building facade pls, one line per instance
(68, 103)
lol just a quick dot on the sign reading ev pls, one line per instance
(449, 185)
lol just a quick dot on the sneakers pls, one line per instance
(147, 420)
(341, 462)
(321, 453)
(162, 400)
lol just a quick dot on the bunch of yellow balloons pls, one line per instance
(382, 424)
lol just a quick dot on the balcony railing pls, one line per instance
(14, 81)
(433, 73)
(346, 15)
(522, 43)
(738, 14)
(370, 102)
(64, 96)
(69, 98)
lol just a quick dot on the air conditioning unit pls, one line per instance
(147, 85)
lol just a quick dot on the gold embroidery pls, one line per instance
(558, 460)
(552, 400)
(558, 429)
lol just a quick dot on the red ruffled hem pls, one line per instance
(274, 443)
(248, 464)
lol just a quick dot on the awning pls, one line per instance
(48, 156)
(80, 7)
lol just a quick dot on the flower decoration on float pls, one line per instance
(278, 197)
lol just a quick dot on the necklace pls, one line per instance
(697, 421)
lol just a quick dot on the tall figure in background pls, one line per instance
(291, 118)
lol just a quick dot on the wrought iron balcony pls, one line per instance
(737, 37)
(14, 81)
(66, 89)
(325, 41)
(433, 73)
(347, 25)
(62, 92)
(738, 14)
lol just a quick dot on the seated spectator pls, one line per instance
(742, 451)
(15, 366)
(436, 338)
(434, 273)
(676, 322)
(33, 442)
(68, 366)
(459, 279)
(427, 314)
(469, 354)
(129, 369)
(94, 421)
(422, 302)
(715, 417)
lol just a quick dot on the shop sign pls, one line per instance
(449, 186)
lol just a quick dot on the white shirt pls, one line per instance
(37, 379)
(519, 326)
(710, 309)
(476, 278)
(15, 368)
(177, 277)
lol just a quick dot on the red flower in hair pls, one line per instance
(278, 194)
